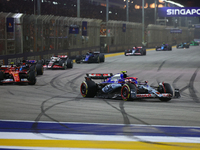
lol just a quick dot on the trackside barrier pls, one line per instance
(40, 36)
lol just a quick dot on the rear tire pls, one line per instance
(78, 59)
(168, 89)
(39, 69)
(169, 48)
(101, 57)
(88, 88)
(144, 51)
(41, 62)
(126, 91)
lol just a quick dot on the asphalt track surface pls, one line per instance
(56, 96)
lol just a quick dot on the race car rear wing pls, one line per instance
(99, 75)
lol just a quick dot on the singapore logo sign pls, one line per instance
(179, 12)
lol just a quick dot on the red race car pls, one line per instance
(17, 74)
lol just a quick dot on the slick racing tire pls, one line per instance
(69, 63)
(156, 48)
(33, 69)
(88, 88)
(41, 62)
(32, 78)
(141, 52)
(98, 59)
(64, 66)
(125, 52)
(61, 62)
(95, 59)
(78, 59)
(39, 69)
(144, 51)
(1, 77)
(169, 48)
(166, 89)
(101, 57)
(126, 91)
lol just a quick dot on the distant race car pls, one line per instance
(17, 74)
(90, 57)
(58, 62)
(164, 47)
(135, 51)
(183, 45)
(194, 43)
(124, 87)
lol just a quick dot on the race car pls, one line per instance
(164, 47)
(17, 74)
(58, 62)
(194, 43)
(135, 51)
(183, 45)
(90, 57)
(124, 87)
(32, 64)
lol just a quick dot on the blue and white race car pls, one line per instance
(124, 87)
(164, 47)
(90, 57)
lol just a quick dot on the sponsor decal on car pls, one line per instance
(24, 79)
(144, 95)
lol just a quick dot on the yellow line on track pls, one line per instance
(99, 144)
(122, 53)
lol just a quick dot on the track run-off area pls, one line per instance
(53, 115)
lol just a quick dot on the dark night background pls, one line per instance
(189, 3)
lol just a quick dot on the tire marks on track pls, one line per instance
(73, 90)
(190, 86)
(159, 68)
(128, 129)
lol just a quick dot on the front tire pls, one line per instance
(88, 88)
(1, 77)
(156, 48)
(32, 78)
(166, 89)
(125, 52)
